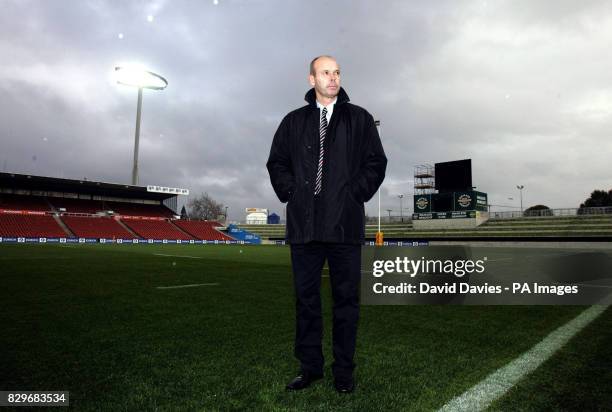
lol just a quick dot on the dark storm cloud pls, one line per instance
(519, 87)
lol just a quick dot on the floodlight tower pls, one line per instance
(379, 234)
(520, 188)
(143, 79)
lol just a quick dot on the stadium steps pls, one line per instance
(183, 231)
(389, 230)
(278, 231)
(96, 227)
(591, 225)
(60, 222)
(555, 225)
(156, 229)
(129, 229)
(202, 229)
(51, 207)
(606, 226)
(544, 226)
(551, 219)
(510, 233)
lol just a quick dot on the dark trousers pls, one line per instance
(344, 262)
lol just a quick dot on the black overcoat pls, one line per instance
(353, 169)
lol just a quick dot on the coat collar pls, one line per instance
(312, 99)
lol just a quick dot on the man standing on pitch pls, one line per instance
(326, 160)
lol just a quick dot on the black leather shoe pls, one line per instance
(302, 381)
(344, 385)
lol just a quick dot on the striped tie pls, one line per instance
(322, 133)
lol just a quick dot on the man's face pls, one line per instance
(326, 79)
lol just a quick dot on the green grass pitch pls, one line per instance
(91, 320)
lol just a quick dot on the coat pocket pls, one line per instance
(352, 217)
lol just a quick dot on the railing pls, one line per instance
(585, 211)
(371, 220)
(407, 219)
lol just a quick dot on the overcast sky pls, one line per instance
(523, 88)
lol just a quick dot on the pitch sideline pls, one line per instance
(494, 386)
(193, 285)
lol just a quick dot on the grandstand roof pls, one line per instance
(44, 183)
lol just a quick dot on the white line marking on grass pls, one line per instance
(188, 286)
(480, 396)
(179, 256)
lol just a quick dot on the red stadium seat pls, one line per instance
(139, 209)
(155, 229)
(21, 202)
(202, 229)
(96, 227)
(76, 205)
(120, 208)
(29, 226)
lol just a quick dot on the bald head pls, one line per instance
(325, 78)
(312, 63)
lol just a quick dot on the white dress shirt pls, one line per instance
(330, 109)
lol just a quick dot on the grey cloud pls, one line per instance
(520, 87)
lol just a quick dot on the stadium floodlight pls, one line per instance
(401, 208)
(143, 79)
(379, 234)
(520, 188)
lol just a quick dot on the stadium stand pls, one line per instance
(559, 226)
(43, 206)
(139, 209)
(21, 202)
(72, 205)
(202, 229)
(96, 227)
(155, 229)
(68, 210)
(26, 225)
(583, 226)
